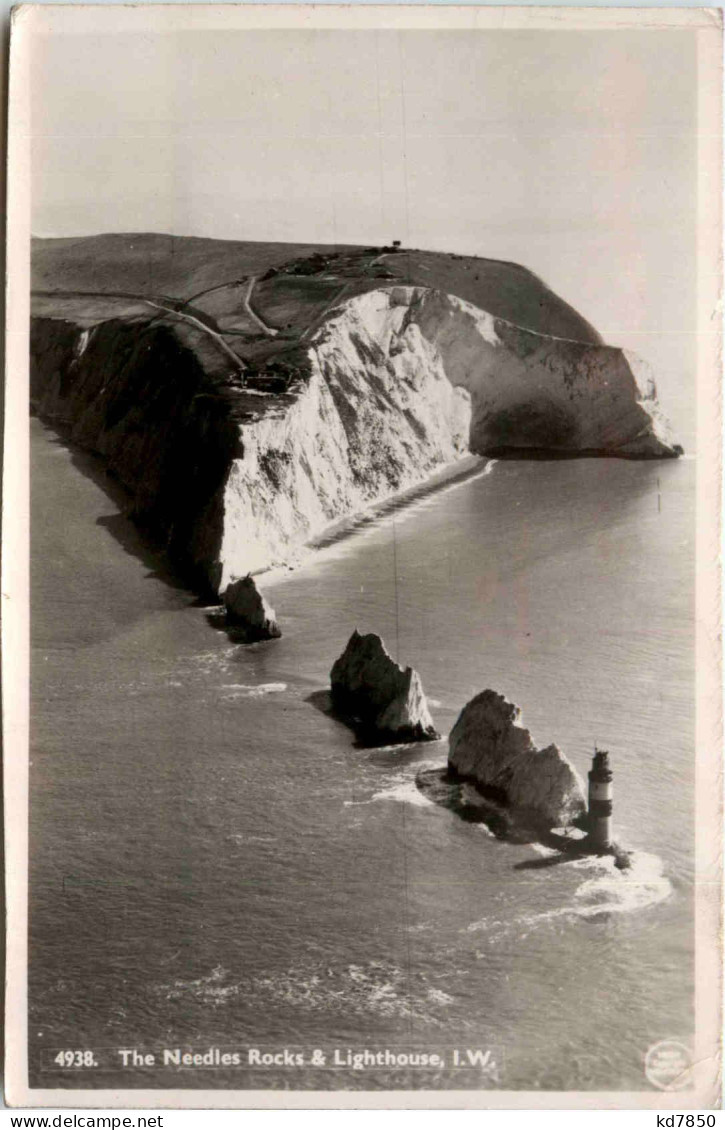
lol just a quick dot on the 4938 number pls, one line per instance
(76, 1059)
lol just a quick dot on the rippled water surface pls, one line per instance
(215, 863)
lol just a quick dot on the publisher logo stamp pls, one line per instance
(668, 1065)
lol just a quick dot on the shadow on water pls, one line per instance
(541, 864)
(322, 701)
(133, 540)
(216, 618)
(389, 746)
(621, 493)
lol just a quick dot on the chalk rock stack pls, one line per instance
(247, 610)
(385, 700)
(489, 748)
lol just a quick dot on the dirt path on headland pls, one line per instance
(157, 305)
(316, 322)
(246, 297)
(206, 329)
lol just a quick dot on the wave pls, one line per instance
(405, 792)
(403, 788)
(248, 838)
(543, 850)
(380, 988)
(212, 989)
(610, 891)
(203, 663)
(244, 690)
(641, 885)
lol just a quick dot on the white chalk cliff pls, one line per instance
(390, 386)
(403, 380)
(489, 747)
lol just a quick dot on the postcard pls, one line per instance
(361, 670)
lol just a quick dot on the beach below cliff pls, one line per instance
(214, 859)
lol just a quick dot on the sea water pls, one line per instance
(216, 863)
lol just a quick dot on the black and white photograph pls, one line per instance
(362, 455)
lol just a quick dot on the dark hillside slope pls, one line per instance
(182, 267)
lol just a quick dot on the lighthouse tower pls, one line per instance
(600, 803)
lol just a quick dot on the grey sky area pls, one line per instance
(571, 152)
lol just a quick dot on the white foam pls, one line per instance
(609, 891)
(243, 690)
(210, 989)
(392, 748)
(244, 838)
(482, 924)
(375, 987)
(406, 792)
(402, 787)
(211, 658)
(204, 663)
(643, 884)
(439, 997)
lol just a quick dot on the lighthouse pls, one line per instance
(600, 803)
